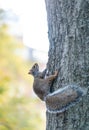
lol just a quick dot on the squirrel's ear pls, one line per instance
(36, 64)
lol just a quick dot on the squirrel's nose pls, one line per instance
(30, 72)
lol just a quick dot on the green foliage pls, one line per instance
(17, 110)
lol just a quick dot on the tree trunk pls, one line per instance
(68, 32)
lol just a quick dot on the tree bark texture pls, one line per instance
(68, 32)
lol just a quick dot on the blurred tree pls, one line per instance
(15, 108)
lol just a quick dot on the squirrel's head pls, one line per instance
(34, 70)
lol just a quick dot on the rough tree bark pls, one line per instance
(68, 32)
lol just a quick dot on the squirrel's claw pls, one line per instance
(56, 73)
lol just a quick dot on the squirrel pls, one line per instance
(59, 100)
(41, 85)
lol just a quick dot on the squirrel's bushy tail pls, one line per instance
(64, 98)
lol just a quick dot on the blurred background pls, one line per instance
(23, 41)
